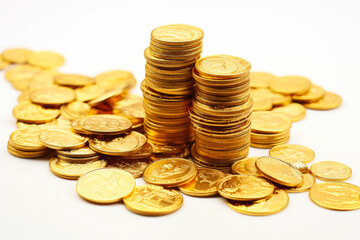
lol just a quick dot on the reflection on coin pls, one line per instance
(294, 111)
(309, 181)
(116, 79)
(291, 85)
(330, 171)
(62, 139)
(32, 113)
(269, 122)
(246, 166)
(177, 34)
(105, 124)
(315, 94)
(52, 96)
(292, 153)
(27, 139)
(73, 80)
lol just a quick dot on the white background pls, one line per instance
(317, 39)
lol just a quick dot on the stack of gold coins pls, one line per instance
(169, 86)
(220, 112)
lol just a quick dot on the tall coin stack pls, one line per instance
(220, 112)
(168, 87)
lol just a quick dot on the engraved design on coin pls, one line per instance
(292, 153)
(177, 33)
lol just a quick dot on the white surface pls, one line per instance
(317, 39)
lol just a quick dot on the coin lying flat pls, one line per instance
(16, 55)
(294, 111)
(246, 166)
(177, 34)
(62, 139)
(279, 171)
(116, 79)
(204, 184)
(336, 195)
(261, 103)
(52, 96)
(290, 85)
(21, 75)
(107, 185)
(27, 139)
(260, 79)
(26, 154)
(277, 202)
(73, 80)
(3, 63)
(43, 79)
(315, 94)
(88, 93)
(269, 122)
(79, 152)
(135, 167)
(309, 181)
(330, 171)
(328, 101)
(244, 187)
(46, 59)
(32, 113)
(153, 200)
(170, 172)
(105, 124)
(292, 153)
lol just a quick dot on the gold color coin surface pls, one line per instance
(135, 167)
(294, 111)
(16, 55)
(153, 200)
(177, 34)
(269, 122)
(52, 96)
(131, 105)
(292, 153)
(279, 171)
(88, 93)
(277, 202)
(261, 103)
(277, 99)
(62, 139)
(315, 93)
(21, 75)
(291, 85)
(75, 80)
(260, 79)
(244, 187)
(309, 181)
(3, 63)
(108, 185)
(246, 166)
(116, 79)
(204, 184)
(79, 152)
(331, 171)
(105, 124)
(46, 59)
(27, 139)
(43, 79)
(32, 113)
(73, 170)
(336, 195)
(327, 102)
(170, 172)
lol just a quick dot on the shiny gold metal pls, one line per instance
(16, 55)
(45, 59)
(21, 75)
(294, 111)
(3, 63)
(313, 95)
(177, 34)
(296, 85)
(105, 124)
(32, 113)
(52, 96)
(116, 79)
(135, 167)
(88, 93)
(85, 151)
(327, 102)
(309, 181)
(61, 139)
(269, 122)
(292, 153)
(73, 80)
(27, 139)
(260, 79)
(331, 171)
(246, 166)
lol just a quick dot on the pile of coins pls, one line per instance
(168, 86)
(220, 112)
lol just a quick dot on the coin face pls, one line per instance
(177, 34)
(309, 181)
(46, 59)
(277, 202)
(315, 93)
(292, 153)
(52, 96)
(16, 55)
(43, 79)
(336, 195)
(153, 200)
(32, 113)
(269, 122)
(74, 80)
(244, 187)
(62, 139)
(291, 85)
(294, 111)
(107, 185)
(330, 171)
(261, 79)
(328, 101)
(116, 79)
(27, 139)
(204, 184)
(246, 166)
(105, 124)
(279, 171)
(135, 167)
(170, 172)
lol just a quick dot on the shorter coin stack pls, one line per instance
(221, 110)
(168, 86)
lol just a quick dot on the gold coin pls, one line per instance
(336, 195)
(116, 79)
(43, 79)
(16, 55)
(171, 63)
(302, 167)
(315, 94)
(152, 200)
(246, 166)
(222, 66)
(106, 96)
(277, 202)
(292, 153)
(244, 187)
(327, 102)
(20, 76)
(75, 110)
(204, 184)
(330, 171)
(177, 34)
(277, 99)
(52, 96)
(24, 95)
(32, 113)
(135, 167)
(260, 79)
(46, 59)
(3, 63)
(269, 122)
(88, 93)
(131, 105)
(73, 80)
(107, 185)
(68, 170)
(261, 103)
(26, 154)
(296, 85)
(105, 124)
(309, 181)
(294, 111)
(27, 139)
(170, 172)
(84, 151)
(20, 124)
(75, 126)
(62, 139)
(279, 171)
(78, 160)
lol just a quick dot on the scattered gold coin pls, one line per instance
(27, 139)
(135, 167)
(88, 93)
(45, 59)
(309, 181)
(292, 153)
(277, 99)
(246, 166)
(328, 101)
(105, 124)
(32, 113)
(52, 96)
(269, 122)
(296, 85)
(73, 80)
(16, 55)
(62, 139)
(43, 79)
(116, 79)
(315, 94)
(3, 63)
(294, 111)
(330, 171)
(21, 75)
(260, 79)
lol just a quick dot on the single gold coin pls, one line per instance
(204, 184)
(292, 153)
(106, 124)
(116, 79)
(52, 96)
(260, 79)
(21, 75)
(3, 63)
(296, 85)
(261, 103)
(88, 93)
(32, 113)
(269, 122)
(244, 187)
(62, 139)
(82, 152)
(246, 166)
(107, 185)
(68, 170)
(309, 181)
(27, 139)
(223, 66)
(26, 154)
(331, 171)
(279, 171)
(294, 111)
(177, 34)
(336, 195)
(170, 172)
(152, 200)
(277, 99)
(327, 102)
(277, 202)
(45, 59)
(75, 110)
(16, 55)
(73, 80)
(315, 94)
(135, 167)
(78, 159)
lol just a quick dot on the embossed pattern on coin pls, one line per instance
(105, 124)
(331, 171)
(292, 153)
(246, 166)
(177, 34)
(62, 139)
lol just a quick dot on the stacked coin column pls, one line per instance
(168, 87)
(220, 112)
